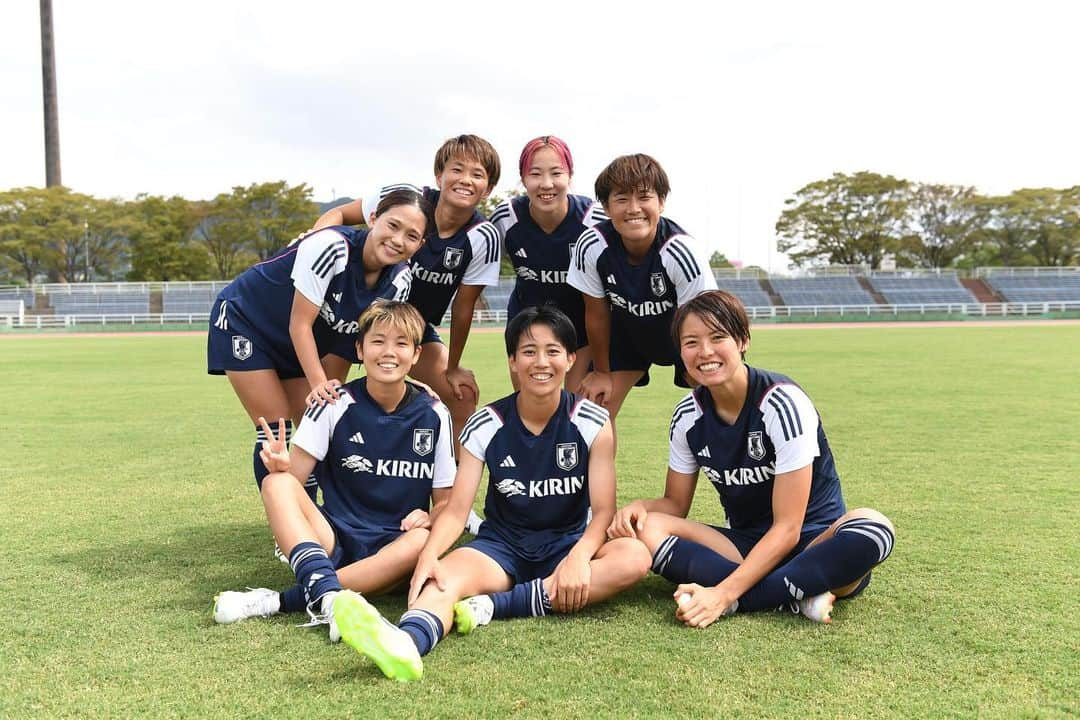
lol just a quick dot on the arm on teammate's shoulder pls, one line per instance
(349, 214)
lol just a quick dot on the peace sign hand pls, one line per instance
(274, 453)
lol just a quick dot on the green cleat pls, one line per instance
(473, 612)
(366, 631)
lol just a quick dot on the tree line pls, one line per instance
(60, 235)
(864, 218)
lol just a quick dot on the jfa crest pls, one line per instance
(656, 282)
(566, 455)
(241, 347)
(423, 441)
(755, 446)
(452, 258)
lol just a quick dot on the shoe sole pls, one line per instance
(363, 629)
(464, 623)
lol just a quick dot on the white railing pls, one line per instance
(498, 317)
(1052, 270)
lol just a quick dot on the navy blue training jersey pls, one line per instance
(378, 466)
(326, 267)
(542, 260)
(538, 485)
(469, 257)
(642, 297)
(777, 431)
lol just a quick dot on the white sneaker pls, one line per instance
(280, 555)
(473, 612)
(232, 606)
(472, 525)
(818, 607)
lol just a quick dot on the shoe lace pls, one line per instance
(255, 603)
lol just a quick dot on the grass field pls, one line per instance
(128, 503)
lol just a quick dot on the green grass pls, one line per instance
(127, 504)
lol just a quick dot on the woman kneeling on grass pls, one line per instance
(550, 456)
(387, 453)
(760, 442)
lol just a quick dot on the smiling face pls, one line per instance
(540, 361)
(387, 352)
(395, 236)
(711, 356)
(463, 182)
(547, 181)
(635, 213)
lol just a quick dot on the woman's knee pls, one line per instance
(867, 514)
(632, 557)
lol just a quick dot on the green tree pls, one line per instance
(225, 233)
(719, 260)
(275, 212)
(41, 231)
(162, 244)
(943, 222)
(846, 219)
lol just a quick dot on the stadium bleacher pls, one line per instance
(190, 298)
(748, 290)
(844, 290)
(1037, 288)
(96, 301)
(922, 290)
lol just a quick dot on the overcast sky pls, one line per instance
(742, 106)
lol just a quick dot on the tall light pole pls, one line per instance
(48, 86)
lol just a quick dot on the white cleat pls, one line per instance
(280, 556)
(818, 607)
(473, 612)
(233, 606)
(325, 616)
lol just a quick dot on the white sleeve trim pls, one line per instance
(687, 267)
(583, 274)
(589, 418)
(680, 457)
(317, 426)
(478, 430)
(445, 467)
(791, 422)
(484, 267)
(320, 257)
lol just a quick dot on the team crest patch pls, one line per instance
(566, 455)
(241, 347)
(452, 258)
(755, 446)
(656, 282)
(423, 441)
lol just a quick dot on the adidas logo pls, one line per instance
(508, 462)
(611, 278)
(358, 439)
(521, 253)
(704, 452)
(337, 297)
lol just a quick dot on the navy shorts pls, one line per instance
(233, 343)
(745, 540)
(624, 354)
(430, 335)
(352, 544)
(521, 569)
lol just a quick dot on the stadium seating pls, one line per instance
(922, 290)
(83, 301)
(843, 290)
(748, 290)
(1037, 288)
(189, 298)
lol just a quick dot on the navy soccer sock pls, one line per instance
(858, 545)
(260, 468)
(523, 600)
(425, 629)
(685, 561)
(292, 600)
(314, 571)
